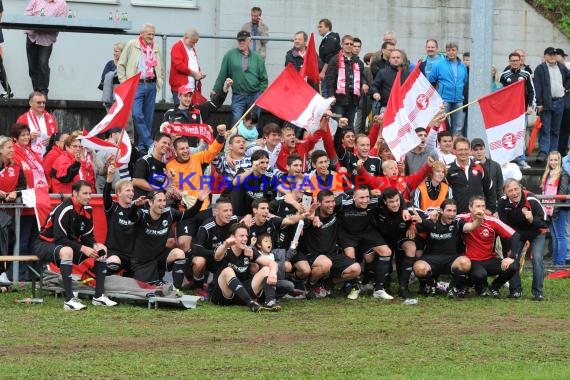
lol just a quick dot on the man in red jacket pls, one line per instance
(184, 66)
(42, 123)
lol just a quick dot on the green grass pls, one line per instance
(330, 338)
(556, 11)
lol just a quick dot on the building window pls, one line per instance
(192, 4)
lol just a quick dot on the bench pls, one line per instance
(32, 262)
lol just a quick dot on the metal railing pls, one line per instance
(17, 207)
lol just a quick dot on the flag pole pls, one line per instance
(118, 153)
(460, 108)
(242, 116)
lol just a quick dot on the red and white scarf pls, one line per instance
(341, 80)
(150, 58)
(44, 126)
(28, 161)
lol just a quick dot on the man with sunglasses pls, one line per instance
(42, 123)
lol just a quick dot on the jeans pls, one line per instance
(241, 103)
(550, 131)
(457, 118)
(143, 113)
(558, 234)
(348, 111)
(567, 235)
(38, 65)
(175, 98)
(537, 245)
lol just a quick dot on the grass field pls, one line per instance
(330, 338)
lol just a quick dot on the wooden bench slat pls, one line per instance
(20, 258)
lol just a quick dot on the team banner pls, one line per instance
(202, 131)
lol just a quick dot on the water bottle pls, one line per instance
(29, 301)
(43, 12)
(110, 16)
(126, 16)
(69, 14)
(116, 15)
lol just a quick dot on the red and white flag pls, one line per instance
(290, 98)
(398, 132)
(310, 68)
(504, 117)
(421, 100)
(117, 117)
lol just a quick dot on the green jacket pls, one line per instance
(246, 82)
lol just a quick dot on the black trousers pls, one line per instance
(38, 65)
(492, 267)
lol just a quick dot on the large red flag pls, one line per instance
(310, 68)
(398, 132)
(117, 116)
(290, 98)
(504, 117)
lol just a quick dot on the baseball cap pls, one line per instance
(550, 51)
(476, 142)
(242, 35)
(561, 52)
(185, 89)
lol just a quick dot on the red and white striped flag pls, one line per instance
(290, 98)
(117, 117)
(504, 117)
(421, 100)
(398, 132)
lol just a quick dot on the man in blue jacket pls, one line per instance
(450, 77)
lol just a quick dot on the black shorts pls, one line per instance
(211, 264)
(189, 227)
(440, 264)
(49, 252)
(124, 257)
(217, 296)
(153, 270)
(294, 256)
(363, 242)
(339, 263)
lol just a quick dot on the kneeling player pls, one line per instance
(233, 283)
(443, 253)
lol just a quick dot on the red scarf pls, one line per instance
(33, 169)
(150, 59)
(341, 79)
(43, 133)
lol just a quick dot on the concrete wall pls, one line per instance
(78, 59)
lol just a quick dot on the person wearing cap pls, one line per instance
(184, 65)
(551, 82)
(256, 27)
(492, 168)
(247, 70)
(143, 55)
(512, 74)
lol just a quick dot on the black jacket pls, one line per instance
(384, 81)
(542, 84)
(293, 57)
(513, 216)
(330, 45)
(511, 76)
(478, 183)
(332, 76)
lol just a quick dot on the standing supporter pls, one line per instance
(151, 257)
(450, 77)
(54, 149)
(256, 27)
(418, 156)
(185, 171)
(364, 106)
(296, 56)
(247, 70)
(381, 59)
(479, 245)
(67, 238)
(565, 124)
(346, 81)
(110, 78)
(512, 74)
(233, 282)
(319, 246)
(143, 55)
(444, 252)
(468, 178)
(3, 77)
(491, 168)
(67, 168)
(42, 124)
(554, 182)
(551, 81)
(120, 229)
(30, 162)
(524, 213)
(39, 44)
(432, 57)
(211, 234)
(185, 67)
(150, 170)
(329, 47)
(384, 78)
